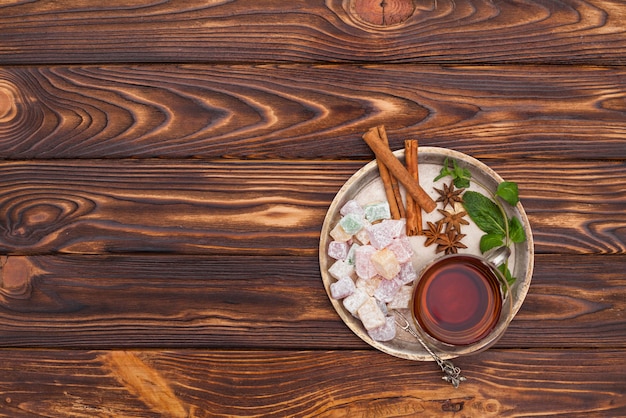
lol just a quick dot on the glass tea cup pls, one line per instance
(462, 304)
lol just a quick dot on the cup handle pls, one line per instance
(498, 256)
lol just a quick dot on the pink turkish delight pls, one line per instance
(397, 227)
(338, 250)
(380, 235)
(387, 290)
(407, 273)
(401, 247)
(386, 332)
(352, 206)
(342, 288)
(363, 262)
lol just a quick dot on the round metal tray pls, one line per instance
(365, 187)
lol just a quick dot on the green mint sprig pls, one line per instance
(488, 212)
(460, 176)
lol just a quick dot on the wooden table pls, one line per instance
(166, 168)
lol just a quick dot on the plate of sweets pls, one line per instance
(398, 214)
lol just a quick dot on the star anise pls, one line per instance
(449, 195)
(432, 233)
(453, 221)
(450, 242)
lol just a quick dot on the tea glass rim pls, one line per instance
(505, 318)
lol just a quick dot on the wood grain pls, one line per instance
(265, 302)
(441, 31)
(302, 111)
(271, 207)
(286, 383)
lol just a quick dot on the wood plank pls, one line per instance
(203, 383)
(265, 302)
(272, 207)
(305, 111)
(444, 31)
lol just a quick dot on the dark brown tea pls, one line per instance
(457, 300)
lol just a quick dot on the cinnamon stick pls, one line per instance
(413, 209)
(396, 168)
(392, 189)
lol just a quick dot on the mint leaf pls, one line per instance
(461, 176)
(484, 212)
(508, 191)
(489, 241)
(516, 230)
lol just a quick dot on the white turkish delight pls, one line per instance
(338, 250)
(386, 332)
(351, 256)
(407, 273)
(353, 302)
(377, 211)
(370, 314)
(339, 234)
(401, 248)
(341, 269)
(369, 285)
(387, 290)
(382, 306)
(385, 263)
(351, 223)
(402, 298)
(363, 261)
(352, 206)
(380, 235)
(342, 288)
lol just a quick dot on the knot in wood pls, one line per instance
(382, 12)
(8, 97)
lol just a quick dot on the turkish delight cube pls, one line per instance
(385, 263)
(363, 261)
(387, 290)
(386, 332)
(370, 314)
(380, 235)
(342, 288)
(362, 235)
(338, 250)
(352, 206)
(377, 211)
(402, 299)
(351, 256)
(341, 269)
(401, 247)
(369, 285)
(339, 234)
(351, 223)
(407, 273)
(353, 302)
(397, 227)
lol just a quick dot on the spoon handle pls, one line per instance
(452, 373)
